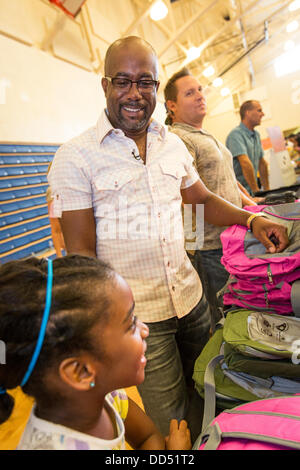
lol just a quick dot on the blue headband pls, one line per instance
(42, 332)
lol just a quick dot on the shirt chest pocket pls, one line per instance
(110, 186)
(172, 174)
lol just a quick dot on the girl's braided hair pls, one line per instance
(73, 313)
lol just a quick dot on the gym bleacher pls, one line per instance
(24, 222)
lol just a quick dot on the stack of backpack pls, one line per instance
(252, 358)
(258, 279)
(251, 355)
(254, 353)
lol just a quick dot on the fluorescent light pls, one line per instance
(193, 53)
(292, 26)
(289, 45)
(294, 5)
(218, 82)
(158, 11)
(209, 71)
(288, 62)
(225, 91)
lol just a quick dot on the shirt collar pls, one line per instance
(188, 127)
(245, 128)
(104, 127)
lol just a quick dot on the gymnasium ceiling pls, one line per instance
(237, 37)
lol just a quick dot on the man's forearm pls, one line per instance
(264, 175)
(79, 232)
(217, 211)
(248, 172)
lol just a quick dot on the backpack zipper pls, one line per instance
(269, 273)
(281, 216)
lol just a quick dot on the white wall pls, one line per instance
(45, 99)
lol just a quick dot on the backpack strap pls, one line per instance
(295, 298)
(210, 391)
(212, 438)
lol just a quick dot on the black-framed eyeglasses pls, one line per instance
(125, 84)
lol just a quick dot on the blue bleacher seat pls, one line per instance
(28, 251)
(28, 148)
(23, 185)
(11, 171)
(22, 181)
(24, 227)
(24, 240)
(23, 159)
(16, 205)
(23, 192)
(15, 218)
(22, 170)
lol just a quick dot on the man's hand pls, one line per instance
(179, 437)
(272, 235)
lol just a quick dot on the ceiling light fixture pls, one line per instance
(292, 26)
(294, 5)
(217, 82)
(158, 11)
(225, 91)
(209, 71)
(193, 53)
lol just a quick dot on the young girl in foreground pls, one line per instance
(72, 341)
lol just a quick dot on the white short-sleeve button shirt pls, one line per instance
(137, 209)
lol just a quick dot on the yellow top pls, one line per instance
(12, 430)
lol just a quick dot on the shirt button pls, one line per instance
(116, 184)
(173, 288)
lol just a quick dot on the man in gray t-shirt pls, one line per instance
(186, 106)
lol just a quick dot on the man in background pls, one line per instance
(245, 145)
(186, 105)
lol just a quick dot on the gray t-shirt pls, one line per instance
(213, 162)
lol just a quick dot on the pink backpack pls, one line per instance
(270, 424)
(259, 280)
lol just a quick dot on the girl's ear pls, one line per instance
(78, 372)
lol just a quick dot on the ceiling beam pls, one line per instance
(58, 25)
(185, 27)
(138, 20)
(227, 26)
